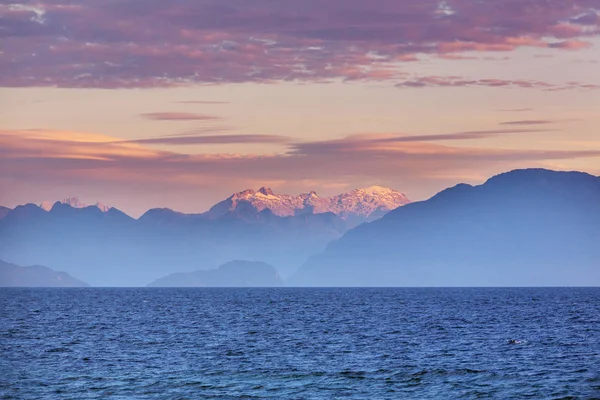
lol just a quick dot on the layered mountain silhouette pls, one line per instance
(522, 228)
(12, 275)
(232, 274)
(105, 247)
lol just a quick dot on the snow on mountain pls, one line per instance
(359, 202)
(366, 201)
(102, 207)
(73, 202)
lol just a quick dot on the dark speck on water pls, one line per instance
(287, 343)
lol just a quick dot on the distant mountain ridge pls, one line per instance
(522, 228)
(366, 203)
(361, 203)
(73, 202)
(106, 247)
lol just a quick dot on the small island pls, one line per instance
(12, 275)
(237, 273)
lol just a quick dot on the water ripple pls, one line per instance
(299, 343)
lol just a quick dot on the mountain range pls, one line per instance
(73, 202)
(359, 204)
(523, 228)
(106, 247)
(530, 227)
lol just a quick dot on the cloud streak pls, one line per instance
(528, 122)
(178, 116)
(515, 110)
(202, 102)
(211, 139)
(55, 157)
(157, 44)
(391, 142)
(458, 81)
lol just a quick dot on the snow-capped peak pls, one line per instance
(266, 191)
(73, 202)
(359, 202)
(102, 207)
(375, 190)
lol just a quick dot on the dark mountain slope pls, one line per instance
(525, 227)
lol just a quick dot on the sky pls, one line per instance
(143, 104)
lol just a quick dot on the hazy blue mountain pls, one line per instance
(525, 227)
(109, 248)
(232, 274)
(4, 211)
(106, 247)
(85, 242)
(12, 275)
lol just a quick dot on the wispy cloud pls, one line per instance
(211, 139)
(202, 102)
(515, 109)
(204, 130)
(528, 122)
(466, 135)
(178, 116)
(157, 43)
(458, 81)
(389, 141)
(55, 156)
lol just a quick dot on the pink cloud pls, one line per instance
(452, 56)
(528, 122)
(457, 81)
(570, 45)
(211, 139)
(389, 143)
(178, 116)
(50, 159)
(156, 43)
(201, 102)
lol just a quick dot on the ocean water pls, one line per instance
(300, 343)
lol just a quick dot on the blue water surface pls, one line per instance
(289, 343)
